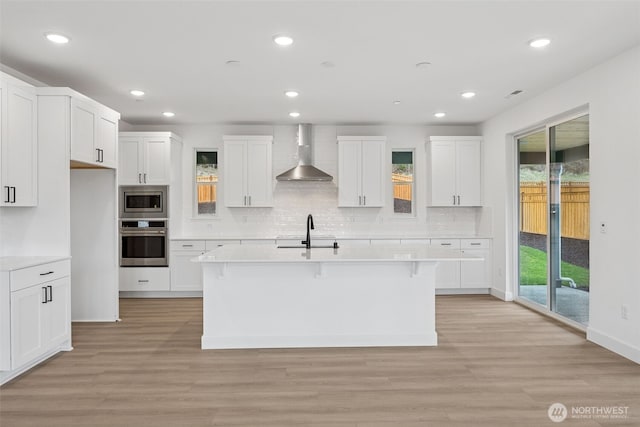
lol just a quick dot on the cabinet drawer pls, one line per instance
(187, 245)
(475, 243)
(212, 244)
(26, 277)
(446, 243)
(144, 278)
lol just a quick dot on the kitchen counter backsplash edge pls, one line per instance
(368, 237)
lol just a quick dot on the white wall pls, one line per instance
(293, 201)
(612, 93)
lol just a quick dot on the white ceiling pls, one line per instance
(176, 51)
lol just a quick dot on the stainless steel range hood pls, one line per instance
(305, 171)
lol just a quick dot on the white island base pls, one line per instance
(263, 297)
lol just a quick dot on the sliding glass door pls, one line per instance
(553, 208)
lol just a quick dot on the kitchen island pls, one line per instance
(261, 296)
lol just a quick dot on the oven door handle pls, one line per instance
(141, 233)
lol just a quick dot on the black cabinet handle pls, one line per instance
(47, 273)
(14, 195)
(8, 199)
(50, 293)
(46, 298)
(98, 154)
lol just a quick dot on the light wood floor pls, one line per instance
(497, 364)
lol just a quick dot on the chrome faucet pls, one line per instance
(310, 227)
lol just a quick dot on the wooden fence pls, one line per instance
(574, 199)
(400, 190)
(207, 189)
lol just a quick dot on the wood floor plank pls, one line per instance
(497, 364)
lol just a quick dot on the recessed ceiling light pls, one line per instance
(294, 114)
(57, 38)
(423, 64)
(168, 114)
(282, 40)
(440, 115)
(396, 102)
(538, 43)
(468, 94)
(136, 92)
(232, 62)
(291, 93)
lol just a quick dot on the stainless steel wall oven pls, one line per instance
(144, 243)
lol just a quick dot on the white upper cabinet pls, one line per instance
(361, 171)
(455, 165)
(94, 133)
(18, 145)
(145, 158)
(248, 171)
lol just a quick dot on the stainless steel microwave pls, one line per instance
(144, 201)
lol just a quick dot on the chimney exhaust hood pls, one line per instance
(305, 171)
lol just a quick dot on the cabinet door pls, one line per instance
(130, 161)
(443, 173)
(156, 157)
(19, 149)
(373, 173)
(235, 173)
(259, 174)
(57, 318)
(185, 275)
(107, 140)
(447, 272)
(349, 173)
(469, 173)
(27, 335)
(83, 132)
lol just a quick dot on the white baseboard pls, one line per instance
(160, 294)
(504, 296)
(230, 342)
(460, 291)
(623, 349)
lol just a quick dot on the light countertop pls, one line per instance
(11, 263)
(338, 238)
(378, 253)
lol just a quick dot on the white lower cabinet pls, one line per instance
(465, 274)
(185, 274)
(144, 278)
(476, 274)
(447, 273)
(36, 313)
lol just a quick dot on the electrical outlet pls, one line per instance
(624, 311)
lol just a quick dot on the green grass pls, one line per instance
(533, 269)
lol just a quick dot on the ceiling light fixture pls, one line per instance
(168, 114)
(468, 95)
(539, 43)
(440, 115)
(396, 102)
(136, 92)
(291, 93)
(282, 40)
(57, 38)
(423, 64)
(294, 114)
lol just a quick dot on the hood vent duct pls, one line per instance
(305, 171)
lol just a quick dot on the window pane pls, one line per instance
(402, 179)
(206, 181)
